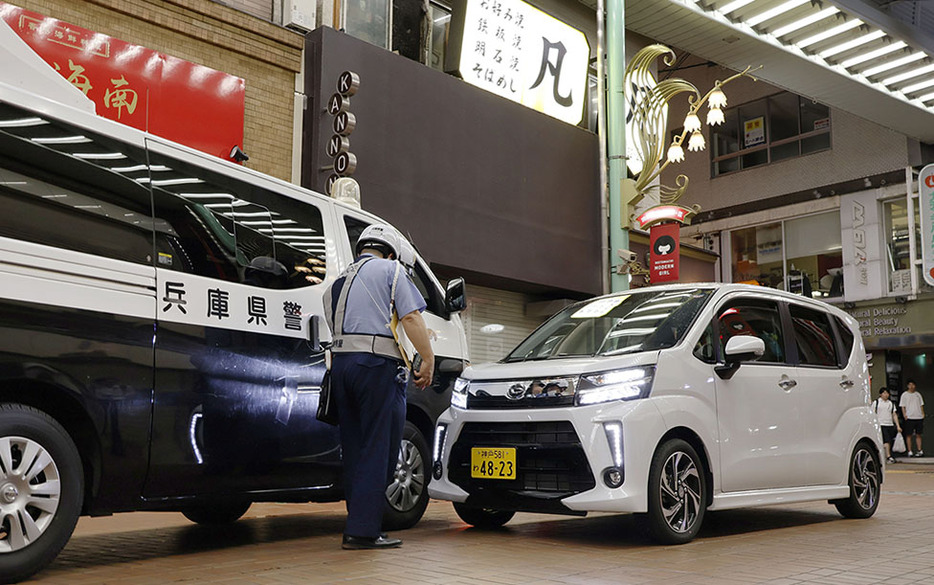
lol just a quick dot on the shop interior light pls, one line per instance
(79, 139)
(852, 44)
(873, 54)
(777, 11)
(22, 122)
(927, 97)
(882, 68)
(918, 86)
(734, 6)
(908, 75)
(806, 21)
(99, 155)
(827, 34)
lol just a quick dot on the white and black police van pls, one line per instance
(158, 334)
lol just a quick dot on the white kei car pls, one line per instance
(666, 401)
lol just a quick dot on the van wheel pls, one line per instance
(407, 494)
(864, 484)
(483, 517)
(41, 490)
(677, 493)
(216, 513)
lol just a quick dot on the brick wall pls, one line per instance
(210, 34)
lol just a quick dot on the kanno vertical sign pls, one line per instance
(518, 52)
(926, 193)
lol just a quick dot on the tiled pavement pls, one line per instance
(277, 544)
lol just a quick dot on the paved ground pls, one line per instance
(275, 544)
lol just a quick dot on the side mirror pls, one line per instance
(455, 297)
(742, 348)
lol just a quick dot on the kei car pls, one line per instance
(666, 401)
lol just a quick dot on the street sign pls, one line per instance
(926, 201)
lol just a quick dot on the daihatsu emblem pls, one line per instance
(515, 392)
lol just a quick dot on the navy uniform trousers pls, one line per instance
(371, 411)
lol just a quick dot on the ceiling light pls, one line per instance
(807, 20)
(908, 75)
(675, 153)
(715, 117)
(22, 122)
(692, 122)
(828, 33)
(893, 64)
(926, 97)
(922, 85)
(780, 9)
(852, 44)
(99, 155)
(873, 54)
(696, 142)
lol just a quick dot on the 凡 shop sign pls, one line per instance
(170, 97)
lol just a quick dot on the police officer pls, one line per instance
(368, 377)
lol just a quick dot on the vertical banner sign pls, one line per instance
(926, 200)
(176, 99)
(343, 124)
(665, 252)
(516, 51)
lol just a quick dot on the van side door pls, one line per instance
(762, 436)
(240, 269)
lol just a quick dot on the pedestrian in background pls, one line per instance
(887, 415)
(912, 405)
(368, 378)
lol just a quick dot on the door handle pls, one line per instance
(787, 383)
(846, 383)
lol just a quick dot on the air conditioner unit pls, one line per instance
(299, 15)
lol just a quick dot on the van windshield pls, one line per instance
(614, 325)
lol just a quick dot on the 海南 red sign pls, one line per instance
(170, 97)
(665, 252)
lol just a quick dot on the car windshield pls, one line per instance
(613, 325)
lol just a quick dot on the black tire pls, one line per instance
(677, 493)
(29, 436)
(216, 514)
(407, 494)
(865, 484)
(486, 518)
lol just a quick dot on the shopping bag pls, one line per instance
(898, 446)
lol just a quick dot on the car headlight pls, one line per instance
(459, 394)
(628, 384)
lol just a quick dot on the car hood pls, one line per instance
(558, 367)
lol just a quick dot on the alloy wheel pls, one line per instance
(408, 482)
(680, 492)
(865, 479)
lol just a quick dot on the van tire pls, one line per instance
(24, 429)
(486, 518)
(407, 494)
(215, 514)
(864, 479)
(676, 482)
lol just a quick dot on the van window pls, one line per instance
(61, 186)
(704, 349)
(813, 337)
(218, 226)
(754, 317)
(846, 340)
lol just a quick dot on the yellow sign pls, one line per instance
(493, 462)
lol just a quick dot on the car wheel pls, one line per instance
(407, 494)
(41, 490)
(216, 513)
(865, 484)
(677, 493)
(483, 517)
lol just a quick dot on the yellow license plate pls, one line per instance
(493, 462)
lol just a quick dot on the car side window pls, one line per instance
(846, 341)
(754, 317)
(704, 349)
(813, 336)
(218, 226)
(65, 187)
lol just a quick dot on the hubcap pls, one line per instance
(680, 492)
(865, 479)
(30, 489)
(409, 480)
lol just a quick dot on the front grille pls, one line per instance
(480, 402)
(550, 460)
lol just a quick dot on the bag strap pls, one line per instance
(394, 319)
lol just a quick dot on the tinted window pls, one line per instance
(813, 337)
(63, 187)
(757, 318)
(846, 340)
(214, 225)
(705, 349)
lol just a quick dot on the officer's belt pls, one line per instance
(354, 342)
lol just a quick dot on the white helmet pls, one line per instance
(385, 238)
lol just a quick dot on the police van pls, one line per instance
(159, 334)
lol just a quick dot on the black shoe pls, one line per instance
(363, 542)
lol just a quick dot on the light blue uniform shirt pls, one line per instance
(367, 309)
